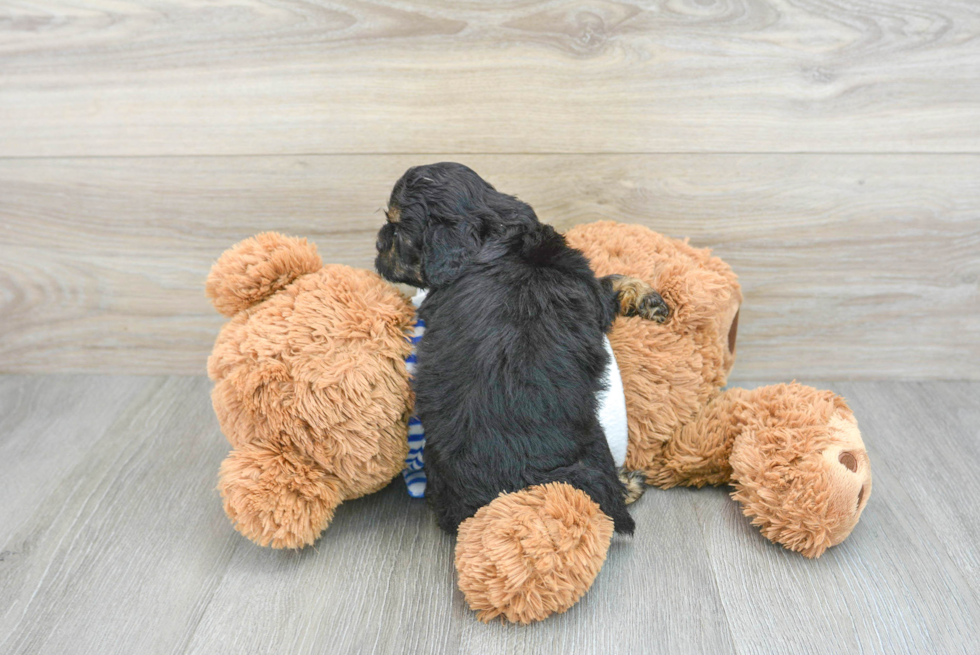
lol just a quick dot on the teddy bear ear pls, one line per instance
(254, 269)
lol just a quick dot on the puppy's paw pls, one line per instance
(637, 298)
(653, 308)
(635, 483)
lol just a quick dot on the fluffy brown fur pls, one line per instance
(670, 370)
(793, 454)
(310, 386)
(802, 446)
(531, 553)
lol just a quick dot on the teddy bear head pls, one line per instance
(800, 469)
(310, 388)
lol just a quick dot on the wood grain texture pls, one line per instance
(127, 550)
(349, 76)
(853, 266)
(48, 425)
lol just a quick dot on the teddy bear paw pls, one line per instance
(532, 553)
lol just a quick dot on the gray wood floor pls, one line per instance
(112, 539)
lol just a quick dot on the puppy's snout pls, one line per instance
(380, 244)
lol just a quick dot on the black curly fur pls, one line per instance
(512, 356)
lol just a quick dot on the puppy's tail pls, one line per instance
(614, 504)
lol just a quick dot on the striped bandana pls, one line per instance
(414, 471)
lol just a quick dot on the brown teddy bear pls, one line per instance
(793, 454)
(313, 392)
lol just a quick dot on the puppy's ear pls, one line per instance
(446, 248)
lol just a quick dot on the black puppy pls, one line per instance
(513, 353)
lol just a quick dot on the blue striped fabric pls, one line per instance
(414, 472)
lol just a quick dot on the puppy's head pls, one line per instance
(439, 217)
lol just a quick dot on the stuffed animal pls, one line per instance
(310, 386)
(793, 454)
(313, 391)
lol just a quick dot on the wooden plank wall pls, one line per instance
(829, 151)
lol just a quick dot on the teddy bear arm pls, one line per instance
(277, 497)
(698, 452)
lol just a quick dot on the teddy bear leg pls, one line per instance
(531, 553)
(276, 497)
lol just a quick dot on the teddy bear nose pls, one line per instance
(849, 460)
